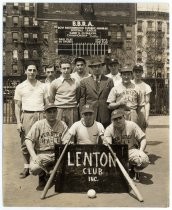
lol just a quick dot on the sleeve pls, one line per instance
(101, 129)
(73, 129)
(17, 94)
(52, 90)
(138, 133)
(107, 135)
(112, 96)
(148, 89)
(34, 132)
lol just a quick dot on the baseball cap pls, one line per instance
(49, 106)
(126, 69)
(117, 113)
(87, 108)
(138, 67)
(79, 59)
(113, 60)
(95, 62)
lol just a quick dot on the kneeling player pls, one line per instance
(40, 142)
(121, 131)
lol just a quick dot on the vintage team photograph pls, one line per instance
(85, 104)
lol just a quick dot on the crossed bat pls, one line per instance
(124, 172)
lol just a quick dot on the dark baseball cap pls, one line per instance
(126, 69)
(79, 59)
(138, 67)
(117, 113)
(49, 106)
(112, 61)
(87, 108)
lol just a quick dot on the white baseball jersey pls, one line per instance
(86, 135)
(44, 136)
(144, 88)
(131, 94)
(116, 78)
(131, 134)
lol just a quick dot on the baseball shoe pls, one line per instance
(24, 173)
(42, 183)
(136, 177)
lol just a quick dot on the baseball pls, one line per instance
(91, 193)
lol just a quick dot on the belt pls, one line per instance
(26, 111)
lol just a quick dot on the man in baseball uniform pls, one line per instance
(40, 142)
(127, 96)
(121, 131)
(80, 69)
(87, 130)
(143, 115)
(30, 98)
(64, 92)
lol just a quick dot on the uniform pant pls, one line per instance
(131, 116)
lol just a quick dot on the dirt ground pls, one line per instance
(154, 185)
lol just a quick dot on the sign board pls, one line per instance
(82, 37)
(116, 13)
(87, 167)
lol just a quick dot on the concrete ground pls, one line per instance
(154, 185)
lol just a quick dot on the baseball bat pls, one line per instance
(53, 172)
(124, 172)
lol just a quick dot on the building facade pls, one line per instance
(152, 43)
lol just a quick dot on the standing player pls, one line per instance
(30, 97)
(87, 130)
(80, 69)
(41, 141)
(146, 90)
(126, 96)
(50, 76)
(95, 90)
(64, 93)
(113, 66)
(121, 131)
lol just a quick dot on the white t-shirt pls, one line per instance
(86, 135)
(116, 78)
(32, 97)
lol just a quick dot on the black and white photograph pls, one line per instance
(85, 104)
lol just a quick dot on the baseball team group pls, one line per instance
(81, 107)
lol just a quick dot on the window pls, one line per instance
(45, 36)
(14, 69)
(26, 6)
(26, 54)
(26, 21)
(16, 5)
(15, 54)
(118, 35)
(139, 41)
(128, 35)
(128, 45)
(159, 26)
(25, 36)
(150, 25)
(15, 21)
(139, 26)
(4, 19)
(139, 56)
(46, 6)
(15, 36)
(35, 36)
(35, 54)
(35, 22)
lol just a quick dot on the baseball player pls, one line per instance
(87, 130)
(40, 142)
(113, 66)
(30, 97)
(127, 96)
(80, 69)
(64, 92)
(143, 115)
(121, 131)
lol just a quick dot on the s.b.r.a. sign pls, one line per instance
(91, 166)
